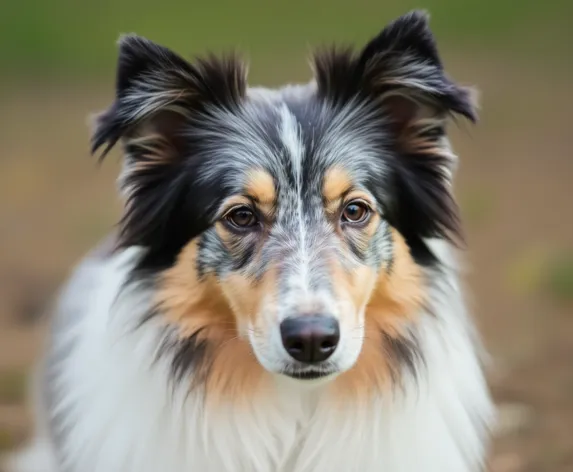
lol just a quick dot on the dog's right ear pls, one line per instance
(157, 91)
(160, 99)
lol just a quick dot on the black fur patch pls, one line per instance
(157, 89)
(404, 57)
(405, 355)
(190, 358)
(163, 110)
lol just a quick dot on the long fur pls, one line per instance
(164, 352)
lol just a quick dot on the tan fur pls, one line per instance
(397, 296)
(261, 186)
(335, 184)
(194, 304)
(245, 296)
(354, 286)
(220, 308)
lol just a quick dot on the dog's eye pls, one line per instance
(242, 217)
(355, 212)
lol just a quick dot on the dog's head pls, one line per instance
(290, 223)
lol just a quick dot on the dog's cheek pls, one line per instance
(352, 288)
(354, 272)
(236, 253)
(252, 299)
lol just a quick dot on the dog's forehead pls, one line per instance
(296, 138)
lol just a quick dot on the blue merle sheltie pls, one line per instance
(282, 292)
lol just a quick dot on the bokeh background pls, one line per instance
(515, 183)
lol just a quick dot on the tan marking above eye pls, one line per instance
(335, 184)
(260, 186)
(259, 189)
(338, 191)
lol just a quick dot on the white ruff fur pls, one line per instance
(120, 414)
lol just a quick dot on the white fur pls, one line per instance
(122, 416)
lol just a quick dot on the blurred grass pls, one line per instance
(42, 38)
(7, 439)
(559, 280)
(525, 272)
(543, 271)
(478, 206)
(13, 386)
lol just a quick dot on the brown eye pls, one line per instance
(355, 212)
(242, 217)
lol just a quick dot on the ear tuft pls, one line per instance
(160, 99)
(402, 58)
(409, 32)
(139, 55)
(399, 74)
(152, 82)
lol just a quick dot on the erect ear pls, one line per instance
(154, 84)
(402, 61)
(159, 98)
(401, 74)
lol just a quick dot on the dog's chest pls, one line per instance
(296, 434)
(121, 416)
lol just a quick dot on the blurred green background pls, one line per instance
(514, 184)
(73, 39)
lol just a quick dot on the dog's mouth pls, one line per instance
(308, 374)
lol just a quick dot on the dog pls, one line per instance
(283, 292)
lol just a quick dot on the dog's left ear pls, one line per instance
(399, 76)
(157, 91)
(401, 69)
(159, 99)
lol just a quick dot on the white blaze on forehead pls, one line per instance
(291, 139)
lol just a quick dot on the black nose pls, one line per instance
(310, 338)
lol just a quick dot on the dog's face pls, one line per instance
(289, 223)
(298, 234)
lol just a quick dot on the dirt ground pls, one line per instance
(515, 186)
